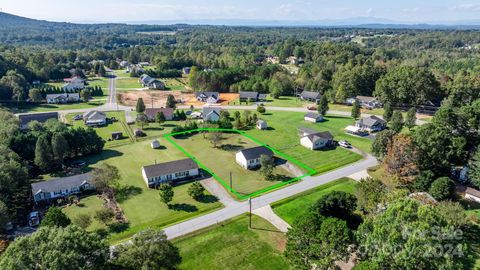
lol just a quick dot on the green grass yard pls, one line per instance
(232, 245)
(291, 208)
(140, 204)
(88, 205)
(284, 137)
(222, 162)
(127, 83)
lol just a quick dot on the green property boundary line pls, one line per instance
(220, 180)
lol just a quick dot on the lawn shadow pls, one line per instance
(266, 114)
(337, 117)
(106, 154)
(169, 125)
(265, 229)
(126, 192)
(154, 128)
(207, 199)
(183, 207)
(118, 227)
(161, 147)
(270, 128)
(281, 178)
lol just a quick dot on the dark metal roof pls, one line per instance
(170, 167)
(61, 183)
(40, 117)
(252, 95)
(256, 152)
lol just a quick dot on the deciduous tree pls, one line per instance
(55, 217)
(166, 193)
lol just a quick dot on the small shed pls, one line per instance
(138, 132)
(117, 135)
(313, 117)
(262, 125)
(155, 144)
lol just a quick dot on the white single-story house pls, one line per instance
(472, 194)
(371, 123)
(61, 187)
(250, 158)
(211, 114)
(95, 118)
(208, 97)
(170, 172)
(155, 144)
(261, 124)
(313, 117)
(317, 140)
(123, 64)
(62, 98)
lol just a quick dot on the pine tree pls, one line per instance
(397, 121)
(356, 110)
(140, 108)
(411, 118)
(43, 153)
(160, 117)
(387, 112)
(60, 147)
(171, 102)
(323, 105)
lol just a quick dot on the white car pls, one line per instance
(345, 144)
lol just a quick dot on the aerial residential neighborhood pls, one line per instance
(239, 135)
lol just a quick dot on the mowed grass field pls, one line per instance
(142, 205)
(221, 161)
(232, 245)
(283, 135)
(88, 205)
(291, 208)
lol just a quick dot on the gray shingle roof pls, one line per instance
(152, 112)
(256, 152)
(313, 115)
(371, 121)
(40, 117)
(61, 183)
(310, 95)
(170, 167)
(207, 94)
(252, 95)
(324, 135)
(94, 116)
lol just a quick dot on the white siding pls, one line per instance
(473, 198)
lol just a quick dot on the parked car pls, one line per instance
(345, 144)
(34, 219)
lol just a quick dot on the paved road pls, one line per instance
(236, 209)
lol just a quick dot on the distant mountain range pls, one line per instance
(7, 19)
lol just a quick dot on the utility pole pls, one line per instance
(250, 203)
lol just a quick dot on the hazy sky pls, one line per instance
(141, 10)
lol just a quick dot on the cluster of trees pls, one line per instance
(382, 228)
(59, 245)
(24, 153)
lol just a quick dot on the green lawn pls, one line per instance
(285, 101)
(291, 208)
(231, 245)
(88, 205)
(222, 162)
(140, 204)
(284, 137)
(106, 131)
(127, 83)
(59, 107)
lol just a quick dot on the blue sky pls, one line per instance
(285, 10)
